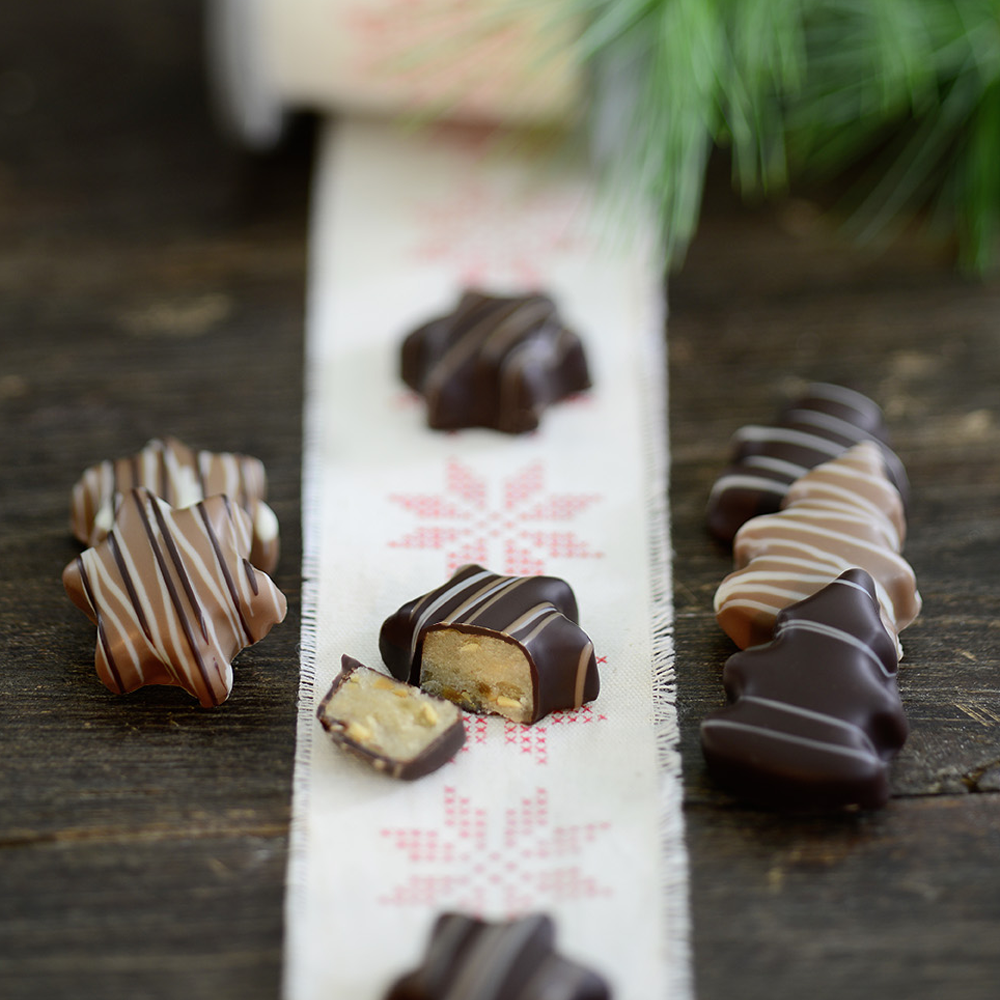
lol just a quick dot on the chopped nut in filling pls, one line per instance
(483, 673)
(394, 726)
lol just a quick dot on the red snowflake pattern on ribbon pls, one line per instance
(491, 234)
(514, 528)
(478, 862)
(438, 55)
(532, 741)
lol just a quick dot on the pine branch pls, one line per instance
(803, 87)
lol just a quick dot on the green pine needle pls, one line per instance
(799, 88)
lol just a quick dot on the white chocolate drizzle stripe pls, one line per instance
(779, 736)
(808, 713)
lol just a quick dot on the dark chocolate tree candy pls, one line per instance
(181, 476)
(174, 595)
(494, 362)
(470, 959)
(504, 644)
(766, 460)
(391, 725)
(816, 715)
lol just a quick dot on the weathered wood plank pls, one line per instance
(904, 902)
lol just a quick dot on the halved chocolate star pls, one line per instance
(174, 595)
(468, 958)
(181, 476)
(494, 362)
(490, 643)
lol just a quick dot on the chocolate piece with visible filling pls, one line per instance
(181, 476)
(766, 460)
(468, 958)
(494, 362)
(173, 595)
(504, 644)
(816, 715)
(843, 513)
(391, 725)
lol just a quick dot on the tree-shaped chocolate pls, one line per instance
(815, 714)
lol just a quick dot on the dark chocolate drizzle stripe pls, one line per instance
(224, 569)
(129, 585)
(182, 573)
(172, 591)
(251, 574)
(102, 635)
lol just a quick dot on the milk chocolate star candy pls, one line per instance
(766, 460)
(494, 362)
(470, 959)
(504, 644)
(842, 514)
(391, 725)
(173, 595)
(181, 476)
(816, 715)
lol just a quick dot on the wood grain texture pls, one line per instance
(904, 902)
(152, 281)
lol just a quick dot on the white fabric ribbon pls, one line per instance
(579, 815)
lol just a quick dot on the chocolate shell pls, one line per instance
(494, 362)
(393, 726)
(504, 644)
(470, 959)
(842, 514)
(766, 460)
(816, 715)
(181, 476)
(173, 595)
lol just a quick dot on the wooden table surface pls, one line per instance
(152, 281)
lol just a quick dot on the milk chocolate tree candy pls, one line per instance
(181, 476)
(816, 715)
(391, 725)
(173, 595)
(504, 644)
(766, 460)
(494, 362)
(842, 514)
(470, 959)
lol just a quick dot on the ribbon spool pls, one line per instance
(486, 61)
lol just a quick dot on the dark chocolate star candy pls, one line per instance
(504, 644)
(816, 715)
(173, 595)
(469, 959)
(494, 362)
